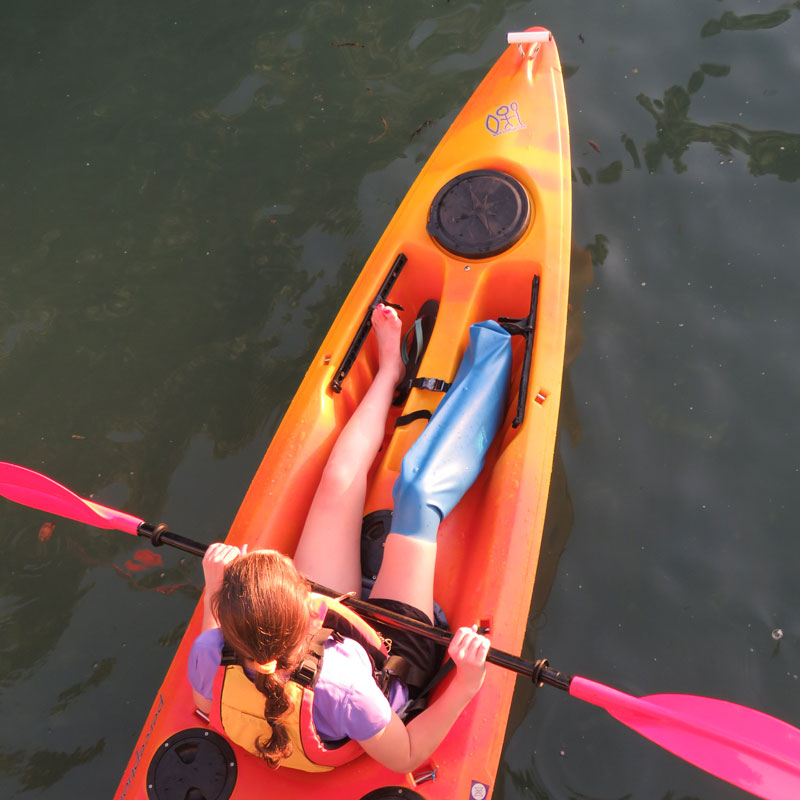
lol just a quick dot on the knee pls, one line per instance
(416, 513)
(337, 478)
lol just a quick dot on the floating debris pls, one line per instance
(385, 131)
(346, 44)
(422, 127)
(777, 634)
(46, 531)
(594, 145)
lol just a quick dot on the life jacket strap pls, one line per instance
(228, 656)
(419, 704)
(307, 671)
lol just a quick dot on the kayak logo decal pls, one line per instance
(504, 119)
(478, 791)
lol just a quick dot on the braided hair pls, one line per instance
(263, 612)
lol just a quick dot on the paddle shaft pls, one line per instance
(538, 671)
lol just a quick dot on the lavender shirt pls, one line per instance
(347, 701)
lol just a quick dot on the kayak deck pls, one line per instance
(515, 123)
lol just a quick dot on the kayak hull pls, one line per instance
(515, 123)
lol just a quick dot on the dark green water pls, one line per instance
(187, 191)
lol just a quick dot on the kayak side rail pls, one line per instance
(366, 323)
(527, 328)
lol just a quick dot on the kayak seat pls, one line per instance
(412, 349)
(374, 530)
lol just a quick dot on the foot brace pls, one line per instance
(449, 454)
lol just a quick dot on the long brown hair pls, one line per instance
(263, 611)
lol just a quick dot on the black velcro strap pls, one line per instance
(431, 384)
(407, 419)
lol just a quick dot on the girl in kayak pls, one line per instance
(259, 604)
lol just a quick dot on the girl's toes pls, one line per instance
(385, 314)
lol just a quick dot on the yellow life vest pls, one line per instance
(238, 707)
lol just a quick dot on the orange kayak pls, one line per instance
(485, 231)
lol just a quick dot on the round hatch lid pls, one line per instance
(479, 214)
(393, 793)
(195, 763)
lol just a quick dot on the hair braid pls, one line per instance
(263, 611)
(275, 748)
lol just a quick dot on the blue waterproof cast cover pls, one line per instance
(449, 454)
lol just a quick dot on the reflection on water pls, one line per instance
(44, 767)
(730, 21)
(769, 152)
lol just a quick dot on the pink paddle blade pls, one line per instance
(749, 749)
(34, 490)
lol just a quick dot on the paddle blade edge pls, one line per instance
(750, 749)
(34, 490)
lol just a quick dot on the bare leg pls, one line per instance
(329, 550)
(406, 573)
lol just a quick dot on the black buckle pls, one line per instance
(431, 384)
(306, 672)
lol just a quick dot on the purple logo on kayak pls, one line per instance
(478, 791)
(504, 120)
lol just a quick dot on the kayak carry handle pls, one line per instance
(529, 37)
(534, 38)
